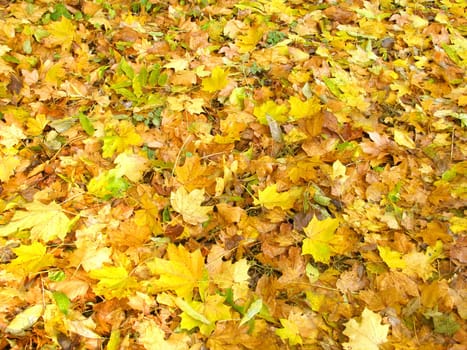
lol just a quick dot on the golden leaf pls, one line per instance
(270, 198)
(182, 272)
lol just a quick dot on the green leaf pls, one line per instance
(56, 276)
(127, 69)
(108, 185)
(184, 306)
(86, 124)
(252, 311)
(63, 303)
(445, 324)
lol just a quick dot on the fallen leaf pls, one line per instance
(189, 205)
(25, 320)
(270, 198)
(366, 334)
(182, 272)
(319, 235)
(46, 221)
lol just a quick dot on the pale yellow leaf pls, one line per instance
(10, 135)
(25, 320)
(46, 221)
(367, 334)
(131, 165)
(189, 205)
(403, 138)
(9, 164)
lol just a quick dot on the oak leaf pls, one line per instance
(367, 334)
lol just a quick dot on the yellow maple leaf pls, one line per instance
(367, 334)
(420, 264)
(301, 109)
(46, 221)
(118, 139)
(55, 74)
(195, 105)
(217, 81)
(152, 337)
(182, 272)
(114, 282)
(392, 258)
(403, 138)
(275, 111)
(289, 332)
(189, 205)
(270, 198)
(31, 259)
(203, 314)
(248, 41)
(62, 33)
(130, 165)
(36, 125)
(319, 235)
(90, 253)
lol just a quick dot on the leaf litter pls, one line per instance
(233, 174)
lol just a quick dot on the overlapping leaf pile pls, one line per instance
(233, 174)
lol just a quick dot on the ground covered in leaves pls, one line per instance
(233, 174)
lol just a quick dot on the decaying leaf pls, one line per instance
(232, 174)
